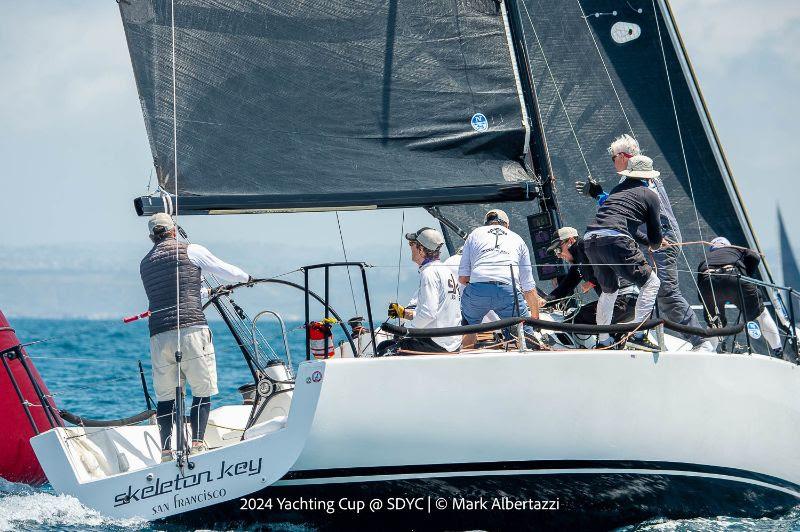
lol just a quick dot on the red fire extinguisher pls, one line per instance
(317, 332)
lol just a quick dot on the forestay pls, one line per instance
(358, 103)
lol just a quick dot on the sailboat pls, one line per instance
(791, 272)
(261, 107)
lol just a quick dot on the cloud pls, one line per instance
(724, 31)
(66, 61)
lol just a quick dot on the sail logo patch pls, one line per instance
(753, 330)
(623, 32)
(479, 122)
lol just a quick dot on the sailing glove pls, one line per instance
(219, 291)
(590, 187)
(396, 310)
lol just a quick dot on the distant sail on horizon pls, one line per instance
(791, 272)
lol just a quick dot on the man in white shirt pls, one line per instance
(438, 299)
(168, 263)
(454, 261)
(491, 253)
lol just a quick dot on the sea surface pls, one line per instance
(91, 367)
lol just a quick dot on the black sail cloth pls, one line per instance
(327, 96)
(560, 41)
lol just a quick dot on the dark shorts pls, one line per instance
(727, 289)
(613, 257)
(624, 309)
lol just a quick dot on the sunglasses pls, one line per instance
(626, 155)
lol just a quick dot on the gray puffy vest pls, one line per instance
(158, 277)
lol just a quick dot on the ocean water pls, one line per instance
(91, 367)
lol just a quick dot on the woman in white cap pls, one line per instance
(437, 303)
(718, 281)
(490, 254)
(611, 243)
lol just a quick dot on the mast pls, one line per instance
(537, 156)
(537, 148)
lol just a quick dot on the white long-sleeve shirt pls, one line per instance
(211, 265)
(438, 302)
(488, 253)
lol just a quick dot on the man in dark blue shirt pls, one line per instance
(611, 244)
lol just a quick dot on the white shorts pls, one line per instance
(198, 365)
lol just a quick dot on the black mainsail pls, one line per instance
(329, 104)
(456, 104)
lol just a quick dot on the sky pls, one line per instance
(74, 152)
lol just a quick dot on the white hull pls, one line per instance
(728, 418)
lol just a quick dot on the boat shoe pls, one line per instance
(197, 449)
(641, 341)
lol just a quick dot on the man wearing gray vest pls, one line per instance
(167, 259)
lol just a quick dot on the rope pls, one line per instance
(555, 85)
(344, 252)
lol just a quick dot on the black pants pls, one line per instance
(624, 308)
(615, 257)
(397, 347)
(726, 290)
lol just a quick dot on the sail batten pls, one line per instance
(328, 96)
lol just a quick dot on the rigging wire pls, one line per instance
(399, 258)
(605, 67)
(683, 149)
(182, 453)
(344, 252)
(555, 85)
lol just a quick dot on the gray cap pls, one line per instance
(429, 238)
(640, 167)
(498, 214)
(160, 219)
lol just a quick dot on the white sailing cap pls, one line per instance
(429, 238)
(640, 167)
(564, 233)
(160, 219)
(498, 214)
(720, 242)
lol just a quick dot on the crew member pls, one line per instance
(490, 254)
(568, 245)
(437, 301)
(454, 261)
(671, 303)
(718, 281)
(167, 259)
(613, 252)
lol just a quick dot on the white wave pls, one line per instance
(38, 510)
(787, 523)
